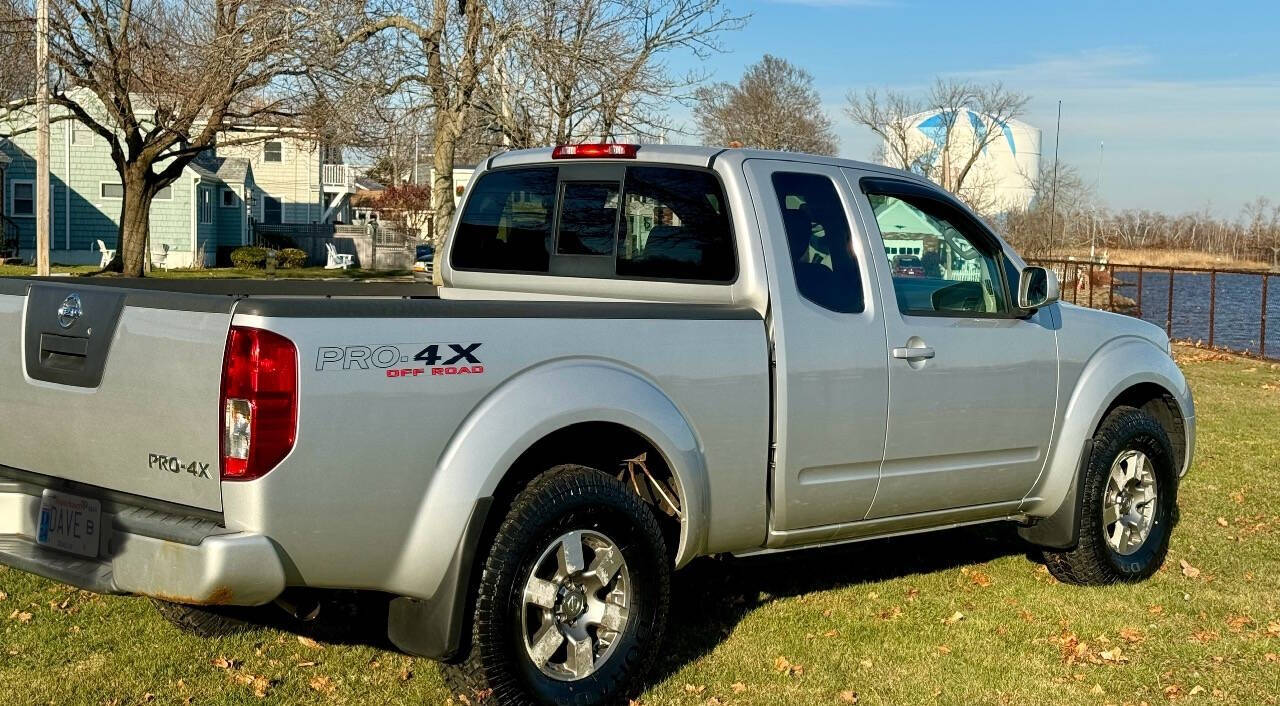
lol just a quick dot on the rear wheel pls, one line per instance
(572, 597)
(1129, 496)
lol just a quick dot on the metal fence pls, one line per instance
(1223, 308)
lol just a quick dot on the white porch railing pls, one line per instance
(338, 177)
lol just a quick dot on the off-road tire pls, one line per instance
(206, 621)
(493, 666)
(1092, 562)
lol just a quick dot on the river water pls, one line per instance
(1237, 316)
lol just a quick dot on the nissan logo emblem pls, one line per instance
(70, 311)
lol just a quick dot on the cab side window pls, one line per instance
(818, 236)
(939, 263)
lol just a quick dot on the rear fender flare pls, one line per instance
(527, 408)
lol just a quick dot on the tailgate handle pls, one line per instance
(63, 352)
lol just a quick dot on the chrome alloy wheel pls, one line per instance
(1129, 502)
(576, 604)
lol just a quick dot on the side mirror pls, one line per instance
(1037, 287)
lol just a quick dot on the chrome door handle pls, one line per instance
(913, 353)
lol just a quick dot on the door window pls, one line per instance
(818, 234)
(943, 266)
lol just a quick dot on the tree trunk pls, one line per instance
(135, 225)
(445, 145)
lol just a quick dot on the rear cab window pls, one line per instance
(610, 221)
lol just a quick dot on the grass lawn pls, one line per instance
(214, 273)
(959, 617)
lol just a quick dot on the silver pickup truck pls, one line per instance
(640, 356)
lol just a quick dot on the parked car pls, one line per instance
(423, 262)
(636, 360)
(907, 266)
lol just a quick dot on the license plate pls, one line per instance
(69, 523)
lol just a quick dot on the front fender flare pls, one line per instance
(1117, 366)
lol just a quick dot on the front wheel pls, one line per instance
(572, 598)
(1128, 496)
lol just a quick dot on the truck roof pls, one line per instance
(696, 156)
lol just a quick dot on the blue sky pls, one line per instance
(1185, 95)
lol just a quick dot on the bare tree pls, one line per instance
(163, 80)
(774, 106)
(967, 117)
(447, 47)
(595, 69)
(17, 37)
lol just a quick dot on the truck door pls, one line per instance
(831, 378)
(973, 387)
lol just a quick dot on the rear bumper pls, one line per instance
(146, 552)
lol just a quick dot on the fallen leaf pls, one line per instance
(1222, 522)
(1197, 689)
(1238, 622)
(1172, 691)
(714, 701)
(322, 684)
(21, 616)
(1131, 635)
(738, 687)
(1273, 629)
(223, 663)
(865, 664)
(1097, 689)
(1204, 636)
(831, 633)
(955, 618)
(4, 596)
(849, 696)
(1188, 570)
(308, 642)
(1272, 657)
(1155, 609)
(690, 688)
(306, 664)
(980, 579)
(944, 649)
(1113, 655)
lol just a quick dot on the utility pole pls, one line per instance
(1053, 199)
(42, 138)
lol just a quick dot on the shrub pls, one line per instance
(249, 257)
(291, 258)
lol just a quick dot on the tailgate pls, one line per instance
(113, 387)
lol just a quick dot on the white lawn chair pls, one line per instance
(337, 261)
(160, 258)
(107, 255)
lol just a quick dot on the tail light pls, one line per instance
(259, 402)
(595, 151)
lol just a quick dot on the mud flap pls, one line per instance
(433, 628)
(1061, 530)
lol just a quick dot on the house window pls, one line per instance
(272, 213)
(273, 152)
(22, 197)
(206, 205)
(228, 198)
